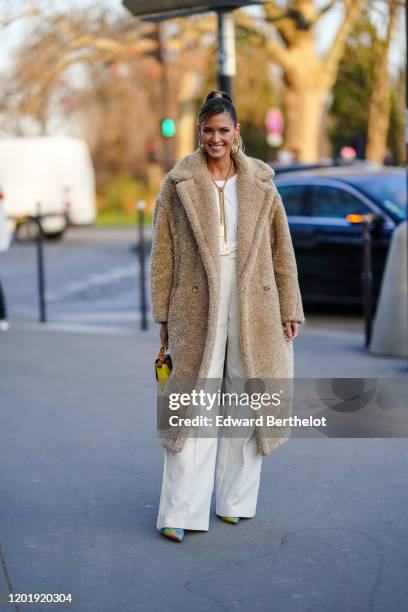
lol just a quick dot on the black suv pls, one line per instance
(328, 247)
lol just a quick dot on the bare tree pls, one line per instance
(287, 36)
(380, 102)
(58, 41)
(172, 65)
(307, 77)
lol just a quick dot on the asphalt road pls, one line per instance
(81, 465)
(92, 274)
(80, 483)
(93, 277)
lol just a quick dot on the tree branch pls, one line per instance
(354, 9)
(325, 9)
(278, 53)
(31, 12)
(282, 20)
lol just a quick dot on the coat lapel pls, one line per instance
(195, 189)
(254, 187)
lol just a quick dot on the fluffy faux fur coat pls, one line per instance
(185, 277)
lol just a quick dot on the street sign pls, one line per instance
(175, 8)
(274, 123)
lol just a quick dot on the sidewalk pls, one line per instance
(82, 470)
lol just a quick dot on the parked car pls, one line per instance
(53, 171)
(328, 247)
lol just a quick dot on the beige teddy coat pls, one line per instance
(185, 277)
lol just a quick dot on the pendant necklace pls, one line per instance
(223, 226)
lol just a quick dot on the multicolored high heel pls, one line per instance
(234, 520)
(173, 533)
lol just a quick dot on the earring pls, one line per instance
(237, 144)
(200, 144)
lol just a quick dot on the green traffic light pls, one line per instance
(168, 128)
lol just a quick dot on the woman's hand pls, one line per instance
(291, 330)
(164, 334)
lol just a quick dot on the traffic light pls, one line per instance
(168, 128)
(150, 149)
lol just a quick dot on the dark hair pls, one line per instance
(217, 102)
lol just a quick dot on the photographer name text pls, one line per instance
(260, 421)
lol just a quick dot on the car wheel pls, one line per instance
(26, 231)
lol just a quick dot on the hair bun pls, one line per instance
(218, 94)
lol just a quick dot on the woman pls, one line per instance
(225, 291)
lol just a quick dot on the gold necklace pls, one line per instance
(223, 225)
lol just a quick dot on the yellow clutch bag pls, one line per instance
(163, 366)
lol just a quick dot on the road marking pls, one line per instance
(99, 279)
(98, 316)
(81, 329)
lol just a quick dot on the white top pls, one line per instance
(231, 211)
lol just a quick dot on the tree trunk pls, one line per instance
(308, 78)
(379, 111)
(303, 115)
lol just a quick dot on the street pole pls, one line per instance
(367, 278)
(164, 86)
(40, 265)
(226, 51)
(141, 205)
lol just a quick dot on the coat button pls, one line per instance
(266, 287)
(195, 288)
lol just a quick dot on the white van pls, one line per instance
(4, 230)
(54, 173)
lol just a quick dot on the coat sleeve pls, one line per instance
(284, 263)
(162, 256)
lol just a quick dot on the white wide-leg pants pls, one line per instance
(188, 476)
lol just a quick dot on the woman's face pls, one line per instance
(218, 134)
